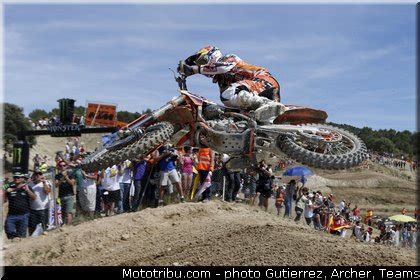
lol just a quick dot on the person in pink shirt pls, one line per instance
(187, 163)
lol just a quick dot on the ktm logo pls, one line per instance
(101, 116)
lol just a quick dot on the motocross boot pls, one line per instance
(264, 109)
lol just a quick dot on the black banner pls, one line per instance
(65, 130)
(222, 273)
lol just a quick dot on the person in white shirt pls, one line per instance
(87, 195)
(308, 213)
(341, 205)
(39, 208)
(368, 235)
(111, 186)
(358, 233)
(125, 173)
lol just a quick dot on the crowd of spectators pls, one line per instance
(321, 212)
(44, 123)
(401, 162)
(170, 175)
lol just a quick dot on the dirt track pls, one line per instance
(215, 233)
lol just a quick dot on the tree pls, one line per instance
(79, 110)
(38, 114)
(54, 112)
(384, 145)
(14, 123)
(127, 117)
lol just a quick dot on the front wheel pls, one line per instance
(329, 148)
(155, 136)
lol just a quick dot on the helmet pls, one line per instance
(207, 54)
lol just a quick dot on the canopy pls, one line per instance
(300, 171)
(402, 218)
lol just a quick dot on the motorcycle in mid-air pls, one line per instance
(299, 132)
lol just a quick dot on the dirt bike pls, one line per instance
(300, 133)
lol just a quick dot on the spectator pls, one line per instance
(250, 183)
(78, 176)
(168, 172)
(65, 182)
(82, 121)
(356, 211)
(44, 166)
(341, 205)
(368, 216)
(367, 237)
(233, 185)
(68, 148)
(309, 209)
(280, 193)
(357, 231)
(37, 161)
(111, 186)
(139, 172)
(346, 211)
(39, 207)
(329, 202)
(218, 176)
(264, 183)
(87, 193)
(187, 162)
(19, 195)
(125, 171)
(302, 197)
(205, 163)
(288, 199)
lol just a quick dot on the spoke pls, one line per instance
(342, 146)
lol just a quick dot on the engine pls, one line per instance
(228, 125)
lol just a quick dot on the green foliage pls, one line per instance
(127, 117)
(38, 114)
(383, 144)
(386, 140)
(14, 123)
(79, 110)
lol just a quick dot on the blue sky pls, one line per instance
(357, 62)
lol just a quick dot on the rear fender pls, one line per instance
(300, 115)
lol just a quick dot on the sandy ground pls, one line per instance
(218, 233)
(47, 145)
(214, 233)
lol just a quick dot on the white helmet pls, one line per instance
(208, 55)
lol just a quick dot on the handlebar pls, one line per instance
(180, 79)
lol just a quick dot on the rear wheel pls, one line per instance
(330, 148)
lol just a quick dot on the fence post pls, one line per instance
(223, 192)
(56, 224)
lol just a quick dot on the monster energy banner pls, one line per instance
(20, 156)
(65, 130)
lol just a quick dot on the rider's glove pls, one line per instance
(186, 69)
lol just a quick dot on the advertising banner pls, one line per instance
(100, 114)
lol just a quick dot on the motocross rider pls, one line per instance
(242, 85)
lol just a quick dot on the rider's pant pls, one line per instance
(244, 94)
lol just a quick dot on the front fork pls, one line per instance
(153, 117)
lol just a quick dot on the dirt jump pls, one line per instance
(214, 233)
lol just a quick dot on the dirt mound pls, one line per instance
(213, 233)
